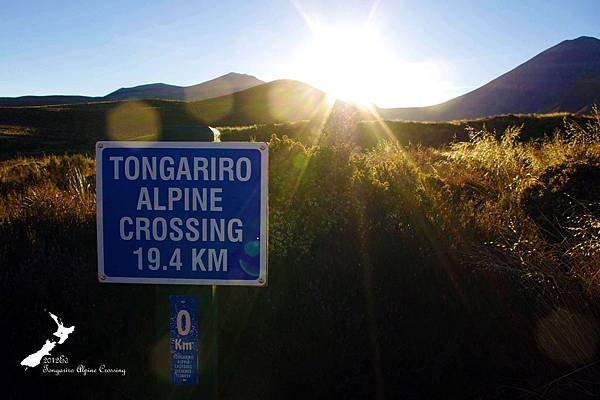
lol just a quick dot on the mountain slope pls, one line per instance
(221, 86)
(45, 100)
(556, 79)
(581, 95)
(276, 101)
(273, 102)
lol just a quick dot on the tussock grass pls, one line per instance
(452, 262)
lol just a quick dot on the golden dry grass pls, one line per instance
(480, 257)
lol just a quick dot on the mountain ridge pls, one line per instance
(562, 78)
(535, 86)
(220, 86)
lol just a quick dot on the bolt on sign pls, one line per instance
(182, 212)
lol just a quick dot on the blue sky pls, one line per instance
(93, 48)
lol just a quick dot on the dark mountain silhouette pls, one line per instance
(582, 95)
(277, 101)
(221, 86)
(565, 77)
(274, 102)
(45, 100)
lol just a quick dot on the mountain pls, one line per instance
(582, 95)
(221, 86)
(45, 100)
(268, 103)
(277, 101)
(565, 77)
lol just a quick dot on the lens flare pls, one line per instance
(133, 120)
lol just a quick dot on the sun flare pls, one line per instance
(342, 62)
(356, 63)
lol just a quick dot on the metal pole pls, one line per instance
(208, 341)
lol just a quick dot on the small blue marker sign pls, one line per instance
(182, 212)
(184, 340)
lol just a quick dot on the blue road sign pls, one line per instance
(184, 340)
(182, 212)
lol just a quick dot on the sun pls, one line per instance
(344, 62)
(356, 63)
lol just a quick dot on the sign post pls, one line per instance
(183, 213)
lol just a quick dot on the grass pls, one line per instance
(465, 270)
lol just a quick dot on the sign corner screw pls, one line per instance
(102, 277)
(100, 145)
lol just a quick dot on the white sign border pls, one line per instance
(263, 147)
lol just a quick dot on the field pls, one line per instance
(26, 131)
(450, 260)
